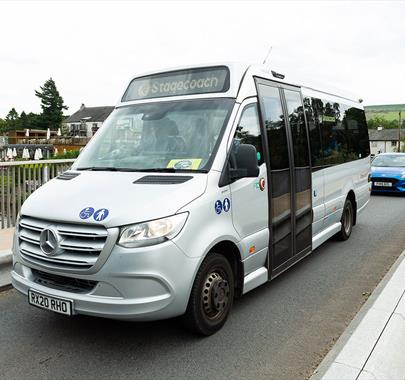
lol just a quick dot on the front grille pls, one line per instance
(67, 284)
(79, 245)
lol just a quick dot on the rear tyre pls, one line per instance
(211, 297)
(347, 221)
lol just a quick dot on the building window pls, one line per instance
(394, 143)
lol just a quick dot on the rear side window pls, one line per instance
(357, 133)
(248, 130)
(338, 132)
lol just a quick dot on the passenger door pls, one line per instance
(289, 176)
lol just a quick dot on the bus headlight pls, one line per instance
(152, 232)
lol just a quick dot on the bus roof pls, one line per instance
(238, 72)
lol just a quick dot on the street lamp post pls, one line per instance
(399, 131)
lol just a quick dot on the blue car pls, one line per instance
(388, 173)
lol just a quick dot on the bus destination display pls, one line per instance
(176, 83)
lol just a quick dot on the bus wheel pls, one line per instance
(347, 221)
(211, 297)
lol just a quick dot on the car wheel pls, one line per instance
(347, 221)
(211, 297)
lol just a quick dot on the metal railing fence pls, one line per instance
(19, 179)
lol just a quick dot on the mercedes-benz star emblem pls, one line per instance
(49, 242)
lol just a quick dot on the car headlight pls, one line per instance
(152, 232)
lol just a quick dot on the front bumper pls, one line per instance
(398, 185)
(142, 284)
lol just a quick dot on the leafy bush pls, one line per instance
(67, 155)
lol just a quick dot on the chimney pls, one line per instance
(82, 107)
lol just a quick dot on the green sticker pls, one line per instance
(258, 156)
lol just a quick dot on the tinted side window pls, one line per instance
(298, 129)
(357, 134)
(248, 130)
(333, 134)
(314, 132)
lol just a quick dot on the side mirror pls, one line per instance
(245, 159)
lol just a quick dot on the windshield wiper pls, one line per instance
(162, 170)
(107, 168)
(100, 168)
(172, 170)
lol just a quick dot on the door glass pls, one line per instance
(280, 173)
(298, 129)
(302, 171)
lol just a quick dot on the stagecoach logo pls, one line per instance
(49, 242)
(144, 90)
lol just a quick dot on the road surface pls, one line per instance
(281, 330)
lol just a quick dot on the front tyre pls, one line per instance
(347, 221)
(211, 297)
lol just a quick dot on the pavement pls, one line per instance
(373, 345)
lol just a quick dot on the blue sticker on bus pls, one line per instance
(218, 207)
(101, 214)
(226, 204)
(86, 213)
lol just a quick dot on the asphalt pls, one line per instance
(279, 331)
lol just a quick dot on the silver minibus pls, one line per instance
(204, 183)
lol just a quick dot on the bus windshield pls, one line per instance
(165, 136)
(389, 160)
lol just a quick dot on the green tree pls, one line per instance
(378, 121)
(34, 121)
(24, 123)
(3, 125)
(52, 105)
(12, 120)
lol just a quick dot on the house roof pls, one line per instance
(92, 113)
(384, 134)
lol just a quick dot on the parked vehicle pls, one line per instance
(388, 173)
(203, 184)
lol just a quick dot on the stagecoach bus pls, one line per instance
(204, 183)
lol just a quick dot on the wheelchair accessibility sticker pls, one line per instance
(218, 207)
(225, 205)
(86, 213)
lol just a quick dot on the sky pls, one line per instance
(92, 49)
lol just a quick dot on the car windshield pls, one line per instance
(165, 136)
(389, 160)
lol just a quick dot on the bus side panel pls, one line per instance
(318, 204)
(362, 185)
(339, 180)
(338, 183)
